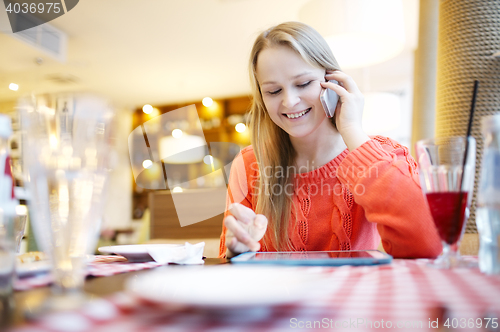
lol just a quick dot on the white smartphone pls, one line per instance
(329, 100)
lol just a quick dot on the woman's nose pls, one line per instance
(290, 99)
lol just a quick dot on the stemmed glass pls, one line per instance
(65, 154)
(447, 183)
(19, 227)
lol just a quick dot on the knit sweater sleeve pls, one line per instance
(383, 178)
(242, 179)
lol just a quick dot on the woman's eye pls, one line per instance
(304, 85)
(274, 92)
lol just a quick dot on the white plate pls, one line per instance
(32, 268)
(225, 287)
(135, 252)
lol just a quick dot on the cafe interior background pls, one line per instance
(171, 54)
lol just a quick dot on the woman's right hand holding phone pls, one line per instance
(349, 111)
(244, 229)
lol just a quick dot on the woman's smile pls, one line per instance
(297, 115)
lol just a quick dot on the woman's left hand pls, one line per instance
(349, 110)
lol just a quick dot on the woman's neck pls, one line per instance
(318, 148)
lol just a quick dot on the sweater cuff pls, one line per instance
(359, 161)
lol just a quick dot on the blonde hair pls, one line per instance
(271, 144)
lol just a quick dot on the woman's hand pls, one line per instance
(244, 229)
(349, 110)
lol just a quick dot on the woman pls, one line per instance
(310, 183)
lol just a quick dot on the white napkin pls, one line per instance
(186, 254)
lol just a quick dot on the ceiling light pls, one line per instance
(240, 127)
(147, 163)
(177, 190)
(13, 86)
(208, 159)
(177, 133)
(207, 101)
(360, 32)
(147, 109)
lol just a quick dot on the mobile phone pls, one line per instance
(329, 100)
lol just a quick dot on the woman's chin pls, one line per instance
(297, 134)
(309, 131)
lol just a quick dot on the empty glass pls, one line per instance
(19, 226)
(65, 153)
(7, 254)
(488, 202)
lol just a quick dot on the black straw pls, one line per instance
(472, 107)
(458, 209)
(469, 129)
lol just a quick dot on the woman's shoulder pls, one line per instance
(246, 159)
(394, 148)
(248, 154)
(247, 150)
(387, 141)
(390, 145)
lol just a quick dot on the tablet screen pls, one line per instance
(355, 257)
(312, 255)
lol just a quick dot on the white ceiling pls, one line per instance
(166, 51)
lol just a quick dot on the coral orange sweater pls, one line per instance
(351, 202)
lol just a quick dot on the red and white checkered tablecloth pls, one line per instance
(100, 266)
(405, 295)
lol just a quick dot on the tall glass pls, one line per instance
(441, 170)
(65, 153)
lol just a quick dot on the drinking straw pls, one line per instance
(469, 129)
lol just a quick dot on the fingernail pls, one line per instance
(259, 223)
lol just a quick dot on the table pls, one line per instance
(96, 287)
(404, 295)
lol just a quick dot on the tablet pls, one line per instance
(314, 258)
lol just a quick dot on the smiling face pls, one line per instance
(290, 90)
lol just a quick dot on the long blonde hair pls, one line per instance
(272, 146)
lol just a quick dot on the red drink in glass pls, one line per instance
(446, 170)
(448, 212)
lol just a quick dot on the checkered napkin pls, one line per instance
(100, 266)
(405, 295)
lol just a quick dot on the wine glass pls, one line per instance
(65, 155)
(447, 183)
(19, 227)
